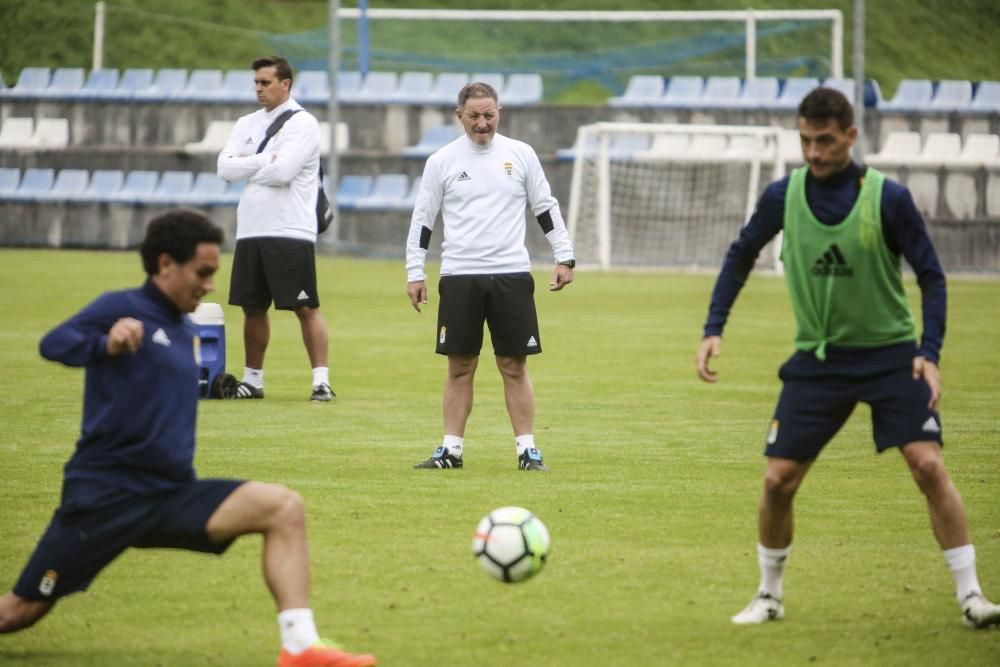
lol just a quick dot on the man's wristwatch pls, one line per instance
(571, 263)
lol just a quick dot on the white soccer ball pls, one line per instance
(511, 544)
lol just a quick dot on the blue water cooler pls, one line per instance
(210, 352)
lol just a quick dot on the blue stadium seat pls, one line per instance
(446, 88)
(911, 95)
(792, 92)
(35, 183)
(30, 84)
(237, 87)
(311, 87)
(66, 83)
(173, 188)
(202, 86)
(952, 95)
(410, 200)
(721, 92)
(348, 84)
(642, 90)
(873, 94)
(433, 139)
(208, 190)
(521, 90)
(131, 81)
(100, 83)
(388, 191)
(139, 186)
(987, 98)
(352, 187)
(682, 92)
(69, 184)
(413, 88)
(166, 83)
(376, 88)
(231, 195)
(10, 178)
(758, 93)
(104, 184)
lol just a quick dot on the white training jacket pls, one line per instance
(282, 182)
(481, 193)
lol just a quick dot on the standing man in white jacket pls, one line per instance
(275, 256)
(481, 183)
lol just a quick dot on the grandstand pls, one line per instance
(939, 137)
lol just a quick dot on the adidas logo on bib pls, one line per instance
(832, 263)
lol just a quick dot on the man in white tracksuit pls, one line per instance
(275, 257)
(481, 183)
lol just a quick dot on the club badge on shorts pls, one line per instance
(772, 434)
(48, 583)
(441, 336)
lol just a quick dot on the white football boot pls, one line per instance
(978, 612)
(761, 609)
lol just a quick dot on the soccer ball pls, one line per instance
(511, 544)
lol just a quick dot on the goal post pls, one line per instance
(668, 195)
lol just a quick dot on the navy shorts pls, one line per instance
(504, 301)
(269, 269)
(819, 396)
(96, 523)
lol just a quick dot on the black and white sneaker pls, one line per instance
(531, 459)
(978, 612)
(441, 458)
(245, 390)
(322, 392)
(763, 608)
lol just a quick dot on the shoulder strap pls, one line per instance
(273, 128)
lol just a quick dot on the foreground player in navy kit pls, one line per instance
(845, 228)
(481, 183)
(130, 482)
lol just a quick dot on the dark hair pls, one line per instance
(280, 65)
(177, 233)
(476, 89)
(824, 103)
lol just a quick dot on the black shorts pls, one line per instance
(278, 269)
(819, 396)
(505, 301)
(95, 524)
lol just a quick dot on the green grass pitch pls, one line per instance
(651, 500)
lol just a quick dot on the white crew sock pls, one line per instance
(254, 377)
(453, 444)
(772, 569)
(321, 375)
(298, 631)
(962, 563)
(526, 441)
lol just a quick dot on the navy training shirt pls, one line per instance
(831, 201)
(139, 410)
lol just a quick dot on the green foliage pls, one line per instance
(651, 500)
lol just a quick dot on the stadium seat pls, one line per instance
(911, 95)
(100, 83)
(311, 87)
(66, 83)
(34, 184)
(408, 202)
(622, 145)
(873, 94)
(790, 147)
(721, 92)
(202, 86)
(376, 88)
(758, 93)
(667, 145)
(521, 90)
(215, 139)
(494, 79)
(446, 88)
(17, 132)
(131, 81)
(352, 187)
(987, 98)
(3, 83)
(69, 184)
(951, 96)
(707, 145)
(348, 85)
(138, 187)
(388, 192)
(104, 184)
(51, 133)
(899, 148)
(166, 83)
(172, 188)
(923, 171)
(792, 92)
(343, 138)
(10, 178)
(231, 196)
(433, 139)
(643, 90)
(413, 88)
(962, 180)
(208, 190)
(746, 147)
(939, 148)
(237, 87)
(845, 86)
(682, 92)
(30, 84)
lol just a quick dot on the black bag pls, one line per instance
(324, 213)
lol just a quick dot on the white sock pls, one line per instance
(453, 444)
(962, 563)
(254, 377)
(298, 631)
(526, 441)
(772, 569)
(321, 375)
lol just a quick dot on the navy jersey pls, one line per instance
(138, 409)
(830, 201)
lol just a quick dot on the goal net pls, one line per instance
(665, 195)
